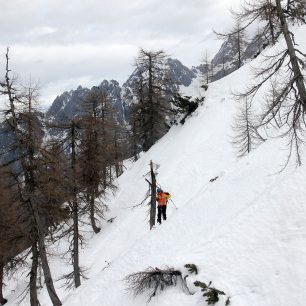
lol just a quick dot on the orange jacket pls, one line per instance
(162, 198)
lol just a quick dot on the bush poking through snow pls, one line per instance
(228, 301)
(184, 105)
(211, 294)
(205, 87)
(154, 280)
(192, 268)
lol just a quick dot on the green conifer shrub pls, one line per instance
(211, 293)
(184, 105)
(192, 268)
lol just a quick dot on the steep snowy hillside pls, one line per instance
(245, 231)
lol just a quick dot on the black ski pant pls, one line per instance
(161, 211)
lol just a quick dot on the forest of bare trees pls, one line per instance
(54, 187)
(50, 188)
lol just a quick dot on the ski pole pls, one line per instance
(173, 204)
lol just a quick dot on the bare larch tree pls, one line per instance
(286, 103)
(22, 124)
(245, 127)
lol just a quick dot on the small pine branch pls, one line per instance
(184, 105)
(192, 268)
(228, 301)
(211, 293)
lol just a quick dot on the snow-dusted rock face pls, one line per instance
(68, 105)
(180, 73)
(226, 60)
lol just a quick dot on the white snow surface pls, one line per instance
(246, 231)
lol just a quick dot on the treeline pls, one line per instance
(53, 185)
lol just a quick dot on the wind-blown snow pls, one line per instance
(246, 231)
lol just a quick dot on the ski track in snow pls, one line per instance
(245, 231)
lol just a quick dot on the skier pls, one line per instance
(162, 200)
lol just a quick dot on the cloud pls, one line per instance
(65, 42)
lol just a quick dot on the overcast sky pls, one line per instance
(66, 43)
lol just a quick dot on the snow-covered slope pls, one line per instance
(246, 231)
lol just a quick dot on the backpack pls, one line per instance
(167, 195)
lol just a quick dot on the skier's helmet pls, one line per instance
(158, 189)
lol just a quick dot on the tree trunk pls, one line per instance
(117, 162)
(104, 177)
(75, 216)
(33, 276)
(150, 140)
(248, 127)
(110, 173)
(2, 299)
(95, 228)
(40, 277)
(76, 266)
(30, 183)
(271, 26)
(239, 47)
(47, 273)
(299, 79)
(153, 197)
(39, 227)
(223, 65)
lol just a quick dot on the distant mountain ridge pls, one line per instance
(225, 61)
(68, 105)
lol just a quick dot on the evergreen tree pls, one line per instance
(184, 105)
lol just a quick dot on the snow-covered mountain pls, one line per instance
(245, 229)
(226, 60)
(68, 104)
